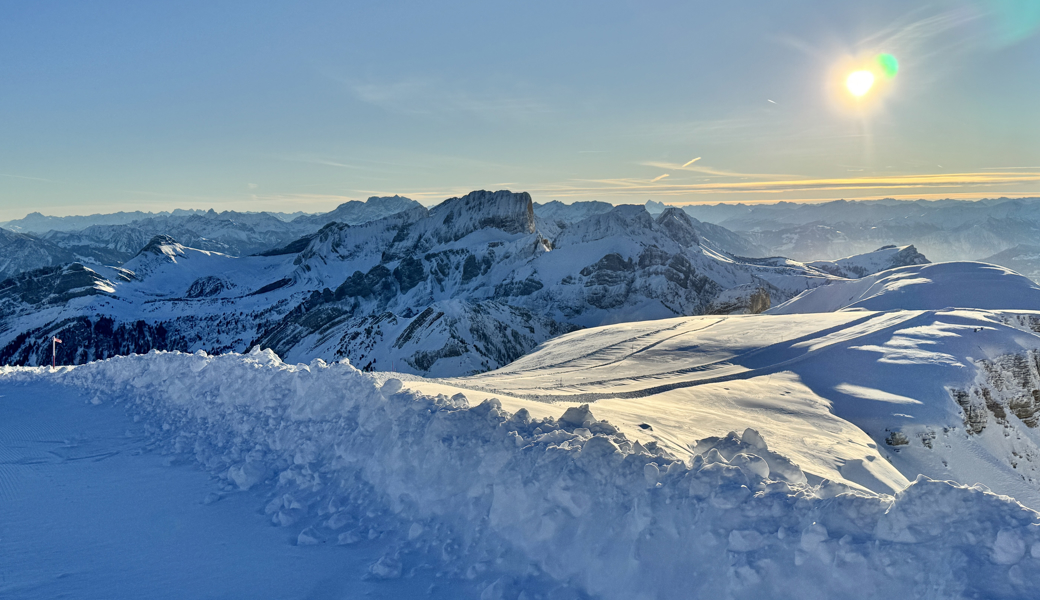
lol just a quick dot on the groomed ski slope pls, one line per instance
(483, 499)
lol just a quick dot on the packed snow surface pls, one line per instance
(517, 505)
(922, 287)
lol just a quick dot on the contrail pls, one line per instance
(768, 100)
(691, 162)
(660, 177)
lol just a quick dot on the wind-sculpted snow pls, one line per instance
(517, 502)
(870, 399)
(923, 287)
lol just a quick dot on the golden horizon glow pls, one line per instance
(859, 82)
(928, 184)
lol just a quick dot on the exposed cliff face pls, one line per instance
(1007, 386)
(55, 285)
(456, 218)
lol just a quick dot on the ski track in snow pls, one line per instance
(773, 354)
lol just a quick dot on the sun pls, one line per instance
(859, 82)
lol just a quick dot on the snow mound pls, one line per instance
(922, 287)
(512, 499)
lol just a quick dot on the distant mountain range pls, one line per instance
(944, 230)
(466, 286)
(113, 239)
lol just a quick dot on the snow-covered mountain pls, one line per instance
(882, 259)
(467, 286)
(20, 252)
(115, 238)
(352, 212)
(1023, 258)
(944, 230)
(356, 212)
(36, 222)
(922, 287)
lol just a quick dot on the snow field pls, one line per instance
(530, 504)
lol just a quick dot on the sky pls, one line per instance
(300, 106)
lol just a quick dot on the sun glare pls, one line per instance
(859, 82)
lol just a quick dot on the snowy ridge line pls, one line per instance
(517, 502)
(748, 373)
(628, 341)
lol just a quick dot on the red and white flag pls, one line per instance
(57, 340)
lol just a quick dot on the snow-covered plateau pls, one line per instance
(798, 455)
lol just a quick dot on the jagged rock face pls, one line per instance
(53, 285)
(505, 211)
(908, 256)
(1008, 385)
(747, 299)
(204, 287)
(679, 226)
(464, 287)
(1002, 407)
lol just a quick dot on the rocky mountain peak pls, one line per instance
(504, 210)
(159, 244)
(625, 220)
(908, 256)
(678, 225)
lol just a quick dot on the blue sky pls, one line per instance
(300, 106)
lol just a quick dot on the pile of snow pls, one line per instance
(921, 287)
(511, 500)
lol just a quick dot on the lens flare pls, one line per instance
(859, 82)
(889, 65)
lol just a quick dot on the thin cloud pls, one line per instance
(711, 171)
(659, 178)
(428, 97)
(944, 180)
(688, 163)
(912, 31)
(25, 177)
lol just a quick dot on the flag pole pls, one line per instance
(54, 351)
